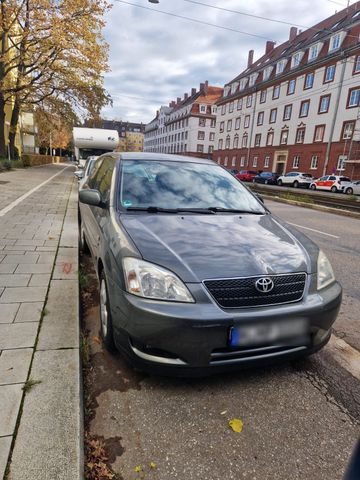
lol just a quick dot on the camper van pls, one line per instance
(92, 142)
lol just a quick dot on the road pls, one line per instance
(301, 420)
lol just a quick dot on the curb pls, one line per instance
(338, 211)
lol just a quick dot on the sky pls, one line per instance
(155, 58)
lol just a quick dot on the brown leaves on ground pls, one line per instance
(95, 460)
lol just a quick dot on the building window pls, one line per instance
(329, 73)
(202, 108)
(263, 96)
(201, 135)
(249, 101)
(287, 112)
(348, 130)
(223, 109)
(212, 136)
(314, 52)
(222, 126)
(255, 161)
(269, 138)
(354, 98)
(213, 123)
(296, 161)
(229, 125)
(202, 122)
(237, 123)
(260, 118)
(236, 141)
(284, 137)
(357, 64)
(257, 140)
(244, 140)
(335, 42)
(300, 135)
(309, 80)
(304, 108)
(341, 162)
(227, 142)
(314, 162)
(280, 66)
(291, 86)
(247, 121)
(210, 149)
(220, 144)
(231, 107)
(296, 59)
(319, 133)
(226, 159)
(276, 92)
(213, 109)
(324, 104)
(239, 104)
(267, 73)
(219, 160)
(242, 161)
(266, 162)
(273, 113)
(233, 161)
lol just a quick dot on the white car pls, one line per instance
(353, 189)
(295, 179)
(332, 183)
(83, 173)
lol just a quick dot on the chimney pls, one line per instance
(186, 96)
(202, 86)
(293, 33)
(173, 103)
(170, 104)
(193, 91)
(206, 87)
(250, 58)
(269, 47)
(178, 100)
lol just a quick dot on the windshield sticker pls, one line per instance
(127, 203)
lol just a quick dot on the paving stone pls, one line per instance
(8, 312)
(48, 442)
(14, 365)
(20, 259)
(7, 280)
(5, 445)
(46, 258)
(24, 241)
(29, 312)
(23, 294)
(34, 268)
(18, 248)
(46, 249)
(10, 399)
(2, 256)
(17, 335)
(39, 280)
(8, 267)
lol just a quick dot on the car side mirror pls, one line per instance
(91, 197)
(79, 174)
(259, 197)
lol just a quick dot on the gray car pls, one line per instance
(195, 274)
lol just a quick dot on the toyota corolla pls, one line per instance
(195, 273)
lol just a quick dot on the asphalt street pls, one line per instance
(300, 420)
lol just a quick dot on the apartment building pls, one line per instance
(186, 126)
(298, 106)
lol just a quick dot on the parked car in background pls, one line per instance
(246, 175)
(267, 178)
(195, 274)
(295, 179)
(331, 183)
(83, 173)
(233, 171)
(353, 189)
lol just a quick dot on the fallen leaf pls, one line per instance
(152, 465)
(138, 468)
(236, 424)
(97, 340)
(223, 413)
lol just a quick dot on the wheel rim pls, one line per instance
(349, 191)
(296, 184)
(103, 308)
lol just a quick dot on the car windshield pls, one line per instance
(183, 186)
(345, 179)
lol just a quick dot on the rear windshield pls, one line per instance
(306, 175)
(345, 179)
(176, 185)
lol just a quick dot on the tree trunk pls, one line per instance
(13, 127)
(2, 128)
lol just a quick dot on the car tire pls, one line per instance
(106, 328)
(312, 187)
(296, 184)
(279, 183)
(254, 181)
(349, 191)
(334, 189)
(266, 182)
(82, 240)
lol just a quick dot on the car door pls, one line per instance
(321, 183)
(330, 182)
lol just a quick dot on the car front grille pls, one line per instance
(241, 292)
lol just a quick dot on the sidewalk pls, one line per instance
(40, 427)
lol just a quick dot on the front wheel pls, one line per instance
(266, 182)
(279, 183)
(296, 184)
(106, 328)
(334, 189)
(349, 191)
(82, 240)
(312, 187)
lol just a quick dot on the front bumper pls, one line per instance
(157, 335)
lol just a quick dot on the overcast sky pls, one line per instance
(155, 58)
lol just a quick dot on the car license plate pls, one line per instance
(288, 331)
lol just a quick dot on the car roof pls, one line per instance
(162, 157)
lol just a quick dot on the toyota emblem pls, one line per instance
(264, 285)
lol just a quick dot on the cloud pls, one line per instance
(155, 58)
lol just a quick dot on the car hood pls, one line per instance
(198, 247)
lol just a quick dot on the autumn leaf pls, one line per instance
(236, 425)
(152, 465)
(138, 468)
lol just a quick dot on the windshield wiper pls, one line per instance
(234, 210)
(151, 209)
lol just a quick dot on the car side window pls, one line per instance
(322, 179)
(102, 178)
(332, 178)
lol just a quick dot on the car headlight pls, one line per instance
(151, 281)
(325, 274)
